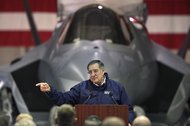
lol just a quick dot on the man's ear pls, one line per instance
(104, 71)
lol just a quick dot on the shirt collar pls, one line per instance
(104, 81)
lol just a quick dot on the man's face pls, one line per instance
(96, 73)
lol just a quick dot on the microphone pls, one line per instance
(113, 98)
(85, 102)
(92, 94)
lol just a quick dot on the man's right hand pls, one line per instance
(44, 87)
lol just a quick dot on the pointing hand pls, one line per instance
(44, 87)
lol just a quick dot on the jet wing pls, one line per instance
(168, 58)
(173, 86)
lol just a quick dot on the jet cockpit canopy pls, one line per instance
(96, 22)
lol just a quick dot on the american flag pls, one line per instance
(14, 26)
(168, 21)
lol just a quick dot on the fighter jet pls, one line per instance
(154, 78)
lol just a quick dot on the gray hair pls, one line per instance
(24, 119)
(100, 63)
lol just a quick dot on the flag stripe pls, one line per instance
(43, 20)
(168, 7)
(21, 38)
(168, 40)
(47, 21)
(17, 5)
(155, 7)
(168, 24)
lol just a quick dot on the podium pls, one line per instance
(103, 111)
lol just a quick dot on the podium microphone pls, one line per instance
(113, 98)
(89, 97)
